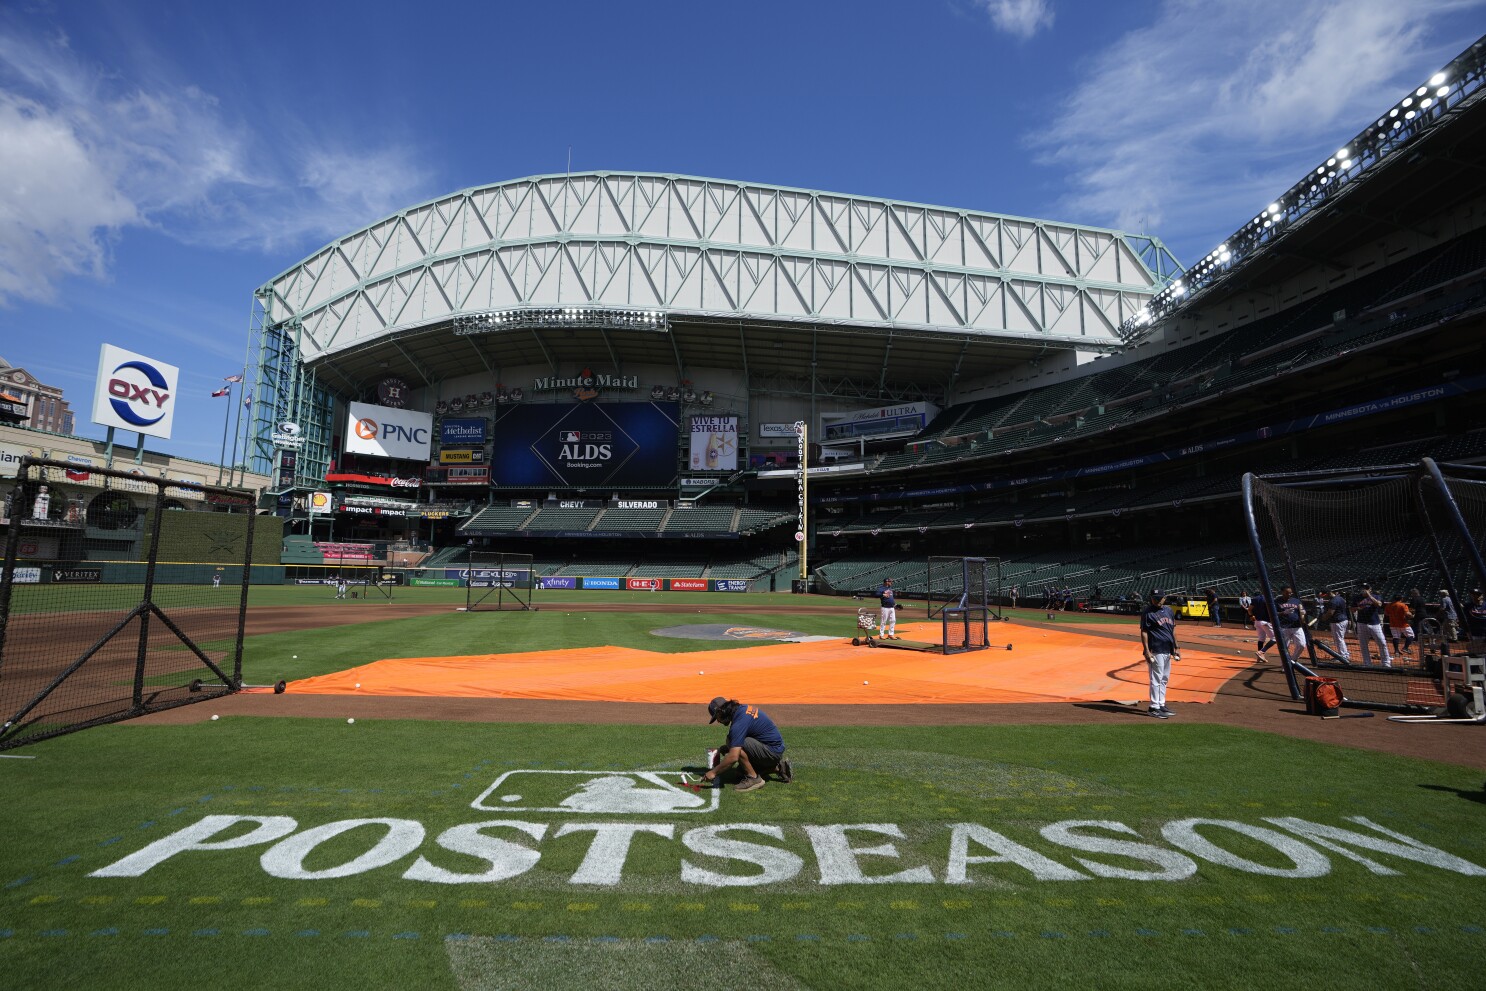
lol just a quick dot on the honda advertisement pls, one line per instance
(586, 445)
(384, 432)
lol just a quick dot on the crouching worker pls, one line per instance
(753, 743)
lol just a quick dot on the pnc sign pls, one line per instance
(385, 432)
(134, 392)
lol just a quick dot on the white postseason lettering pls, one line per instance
(1172, 866)
(1007, 852)
(1305, 861)
(710, 841)
(506, 859)
(286, 858)
(1332, 837)
(838, 858)
(604, 861)
(195, 837)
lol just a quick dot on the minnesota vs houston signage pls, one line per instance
(134, 392)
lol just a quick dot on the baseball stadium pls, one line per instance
(544, 474)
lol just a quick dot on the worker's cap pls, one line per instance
(1156, 593)
(717, 708)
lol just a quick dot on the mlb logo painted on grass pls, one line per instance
(605, 792)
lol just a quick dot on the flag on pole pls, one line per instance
(221, 392)
(233, 378)
(248, 399)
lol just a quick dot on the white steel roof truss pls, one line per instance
(684, 277)
(909, 223)
(723, 212)
(474, 275)
(690, 200)
(835, 213)
(578, 258)
(873, 280)
(724, 268)
(796, 273)
(612, 265)
(761, 210)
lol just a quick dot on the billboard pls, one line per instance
(466, 431)
(586, 445)
(134, 392)
(714, 443)
(384, 432)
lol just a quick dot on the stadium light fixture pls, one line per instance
(567, 316)
(1393, 131)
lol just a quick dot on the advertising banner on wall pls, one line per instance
(134, 392)
(462, 456)
(384, 432)
(714, 443)
(467, 431)
(586, 445)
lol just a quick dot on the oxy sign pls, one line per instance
(384, 432)
(134, 392)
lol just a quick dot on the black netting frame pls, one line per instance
(497, 580)
(1400, 527)
(962, 582)
(965, 628)
(95, 626)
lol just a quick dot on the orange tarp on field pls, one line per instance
(1050, 666)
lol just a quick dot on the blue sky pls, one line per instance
(160, 160)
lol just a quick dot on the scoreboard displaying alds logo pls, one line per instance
(586, 445)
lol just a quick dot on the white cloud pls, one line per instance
(85, 156)
(1019, 18)
(1186, 126)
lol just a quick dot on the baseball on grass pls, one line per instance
(296, 657)
(214, 717)
(350, 720)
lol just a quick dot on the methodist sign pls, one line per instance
(134, 392)
(384, 432)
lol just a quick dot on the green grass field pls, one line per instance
(1005, 844)
(680, 911)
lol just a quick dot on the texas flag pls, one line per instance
(221, 392)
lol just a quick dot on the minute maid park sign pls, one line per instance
(750, 854)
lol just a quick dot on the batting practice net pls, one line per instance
(496, 580)
(966, 628)
(96, 622)
(1402, 530)
(964, 582)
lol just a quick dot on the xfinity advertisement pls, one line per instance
(586, 445)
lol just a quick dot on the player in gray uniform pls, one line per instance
(1158, 638)
(887, 623)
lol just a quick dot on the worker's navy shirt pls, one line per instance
(748, 721)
